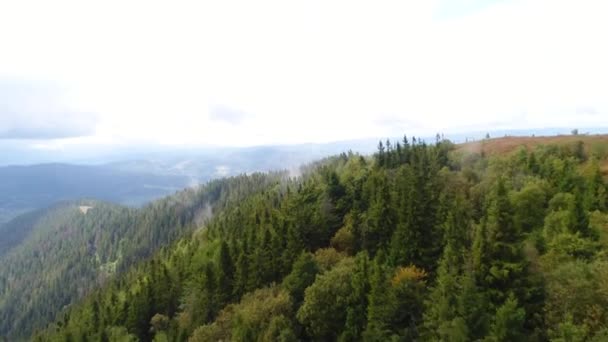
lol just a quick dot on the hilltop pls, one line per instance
(593, 145)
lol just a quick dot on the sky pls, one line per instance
(243, 73)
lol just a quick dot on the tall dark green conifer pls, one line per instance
(500, 267)
(580, 218)
(442, 320)
(381, 155)
(225, 274)
(380, 221)
(356, 317)
(207, 305)
(403, 241)
(379, 310)
(241, 274)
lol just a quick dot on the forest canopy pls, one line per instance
(420, 241)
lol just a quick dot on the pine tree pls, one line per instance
(533, 163)
(95, 326)
(473, 307)
(442, 320)
(404, 239)
(241, 274)
(398, 154)
(356, 316)
(302, 275)
(388, 160)
(580, 218)
(265, 265)
(208, 304)
(508, 322)
(380, 155)
(225, 274)
(406, 151)
(506, 265)
(139, 311)
(499, 265)
(380, 310)
(379, 224)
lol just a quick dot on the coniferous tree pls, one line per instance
(379, 312)
(580, 217)
(379, 222)
(508, 322)
(225, 274)
(241, 274)
(356, 316)
(443, 320)
(404, 238)
(302, 276)
(463, 248)
(381, 156)
(406, 150)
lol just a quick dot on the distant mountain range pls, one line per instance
(17, 152)
(144, 177)
(24, 188)
(138, 174)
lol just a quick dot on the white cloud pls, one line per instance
(41, 111)
(313, 70)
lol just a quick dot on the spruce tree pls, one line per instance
(380, 310)
(225, 274)
(442, 320)
(356, 316)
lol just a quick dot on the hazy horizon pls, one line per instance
(19, 152)
(116, 74)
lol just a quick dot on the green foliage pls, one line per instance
(304, 271)
(344, 240)
(508, 322)
(569, 332)
(260, 315)
(69, 253)
(356, 315)
(323, 312)
(415, 244)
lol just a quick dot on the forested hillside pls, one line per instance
(17, 230)
(59, 255)
(420, 242)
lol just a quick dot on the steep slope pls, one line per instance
(14, 232)
(59, 259)
(73, 248)
(419, 243)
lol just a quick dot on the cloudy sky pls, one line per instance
(267, 72)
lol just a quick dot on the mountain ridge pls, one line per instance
(379, 248)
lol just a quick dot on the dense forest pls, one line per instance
(420, 242)
(53, 257)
